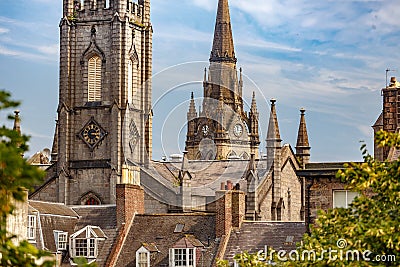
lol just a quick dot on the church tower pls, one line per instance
(222, 129)
(104, 114)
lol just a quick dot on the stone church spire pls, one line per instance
(222, 121)
(303, 145)
(274, 148)
(192, 113)
(273, 133)
(223, 49)
(253, 119)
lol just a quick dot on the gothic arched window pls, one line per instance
(92, 202)
(94, 79)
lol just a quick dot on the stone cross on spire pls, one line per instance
(223, 49)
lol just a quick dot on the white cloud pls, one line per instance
(3, 30)
(183, 33)
(20, 53)
(7, 52)
(256, 42)
(50, 50)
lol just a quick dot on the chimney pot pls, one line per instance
(229, 185)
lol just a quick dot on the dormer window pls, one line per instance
(84, 243)
(31, 227)
(61, 239)
(182, 257)
(142, 257)
(183, 253)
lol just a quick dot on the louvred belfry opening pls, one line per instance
(94, 79)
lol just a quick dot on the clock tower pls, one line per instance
(222, 129)
(104, 126)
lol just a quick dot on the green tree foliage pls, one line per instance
(16, 176)
(82, 262)
(365, 234)
(369, 230)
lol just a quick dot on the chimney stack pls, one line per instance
(230, 209)
(130, 201)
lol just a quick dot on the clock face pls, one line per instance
(92, 133)
(238, 130)
(205, 129)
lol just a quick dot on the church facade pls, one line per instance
(104, 126)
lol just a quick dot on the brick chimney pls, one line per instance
(130, 201)
(238, 208)
(230, 211)
(223, 220)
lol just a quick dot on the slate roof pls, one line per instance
(379, 121)
(50, 224)
(52, 208)
(254, 236)
(59, 217)
(158, 230)
(53, 217)
(207, 176)
(103, 217)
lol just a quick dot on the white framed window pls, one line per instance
(94, 79)
(182, 257)
(142, 257)
(31, 227)
(343, 198)
(61, 239)
(81, 247)
(84, 243)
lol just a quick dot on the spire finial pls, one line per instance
(17, 122)
(303, 145)
(273, 126)
(302, 136)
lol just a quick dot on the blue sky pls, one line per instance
(328, 56)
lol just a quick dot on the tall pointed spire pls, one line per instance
(303, 145)
(273, 127)
(192, 109)
(223, 49)
(253, 123)
(274, 147)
